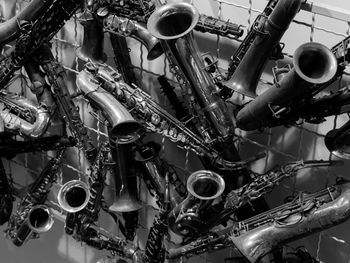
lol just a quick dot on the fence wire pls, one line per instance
(62, 44)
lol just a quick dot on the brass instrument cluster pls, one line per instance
(220, 205)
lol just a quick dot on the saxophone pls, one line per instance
(32, 216)
(55, 74)
(21, 116)
(80, 221)
(173, 24)
(11, 147)
(33, 35)
(130, 28)
(153, 170)
(11, 29)
(156, 118)
(141, 10)
(154, 250)
(259, 235)
(123, 128)
(253, 53)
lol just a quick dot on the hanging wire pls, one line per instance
(312, 27)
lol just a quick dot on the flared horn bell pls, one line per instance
(73, 196)
(40, 219)
(125, 198)
(93, 40)
(173, 21)
(337, 141)
(315, 63)
(205, 185)
(203, 188)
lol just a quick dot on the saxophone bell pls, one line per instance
(337, 141)
(125, 199)
(314, 64)
(203, 188)
(73, 196)
(39, 220)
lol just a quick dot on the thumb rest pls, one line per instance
(32, 216)
(261, 234)
(156, 119)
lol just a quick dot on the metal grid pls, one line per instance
(245, 12)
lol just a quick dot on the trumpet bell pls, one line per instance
(40, 219)
(73, 196)
(173, 21)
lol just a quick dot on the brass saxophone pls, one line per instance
(11, 29)
(55, 74)
(123, 127)
(130, 28)
(154, 250)
(267, 31)
(314, 64)
(32, 216)
(141, 10)
(79, 221)
(153, 170)
(33, 35)
(259, 235)
(22, 116)
(203, 188)
(173, 24)
(156, 118)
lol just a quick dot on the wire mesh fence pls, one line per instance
(315, 22)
